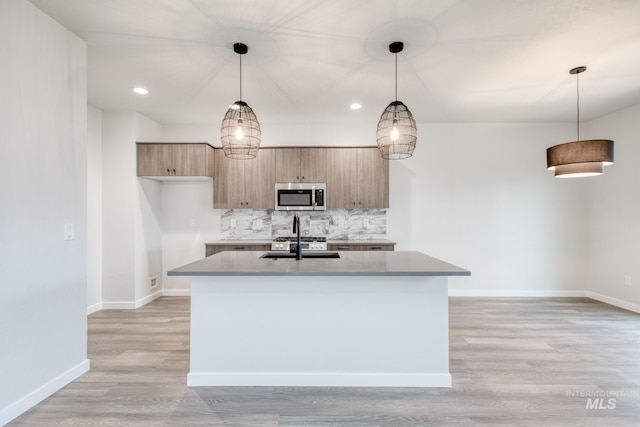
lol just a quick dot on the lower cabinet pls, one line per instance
(214, 249)
(360, 247)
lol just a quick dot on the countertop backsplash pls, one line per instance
(334, 224)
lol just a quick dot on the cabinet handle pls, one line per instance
(302, 176)
(376, 248)
(239, 248)
(174, 171)
(246, 204)
(354, 203)
(241, 203)
(298, 177)
(168, 171)
(343, 248)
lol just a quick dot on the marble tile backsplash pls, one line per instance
(334, 224)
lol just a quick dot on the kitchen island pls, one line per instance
(366, 319)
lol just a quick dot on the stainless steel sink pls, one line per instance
(305, 254)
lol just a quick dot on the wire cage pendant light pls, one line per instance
(240, 130)
(578, 158)
(397, 133)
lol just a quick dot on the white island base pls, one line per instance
(352, 331)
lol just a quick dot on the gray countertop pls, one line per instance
(350, 263)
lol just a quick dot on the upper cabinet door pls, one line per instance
(313, 165)
(341, 178)
(373, 179)
(154, 159)
(260, 176)
(287, 164)
(189, 160)
(301, 164)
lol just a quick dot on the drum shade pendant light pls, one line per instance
(240, 128)
(579, 158)
(397, 133)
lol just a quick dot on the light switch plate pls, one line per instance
(68, 232)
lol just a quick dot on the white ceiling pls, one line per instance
(308, 60)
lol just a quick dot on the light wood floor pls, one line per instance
(515, 362)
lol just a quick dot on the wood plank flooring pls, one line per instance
(514, 362)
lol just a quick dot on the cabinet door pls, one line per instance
(373, 179)
(214, 249)
(154, 159)
(189, 160)
(287, 164)
(313, 164)
(228, 182)
(259, 174)
(341, 178)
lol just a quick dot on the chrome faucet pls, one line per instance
(296, 229)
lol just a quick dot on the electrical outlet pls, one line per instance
(627, 280)
(153, 282)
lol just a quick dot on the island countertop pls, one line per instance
(350, 263)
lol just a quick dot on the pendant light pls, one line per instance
(397, 134)
(579, 158)
(240, 128)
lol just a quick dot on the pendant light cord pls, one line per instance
(578, 105)
(240, 77)
(396, 76)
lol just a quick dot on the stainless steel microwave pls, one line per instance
(301, 196)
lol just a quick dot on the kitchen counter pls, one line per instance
(350, 263)
(368, 319)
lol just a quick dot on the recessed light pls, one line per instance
(355, 106)
(140, 90)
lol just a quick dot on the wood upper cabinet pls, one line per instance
(162, 160)
(298, 164)
(244, 184)
(357, 178)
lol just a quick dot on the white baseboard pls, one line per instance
(614, 301)
(93, 308)
(130, 305)
(146, 300)
(516, 293)
(176, 292)
(320, 379)
(27, 402)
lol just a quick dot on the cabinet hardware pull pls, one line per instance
(174, 171)
(168, 172)
(376, 248)
(239, 248)
(343, 248)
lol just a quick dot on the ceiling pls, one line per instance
(463, 61)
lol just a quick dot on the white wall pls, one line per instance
(614, 212)
(479, 196)
(43, 178)
(188, 222)
(94, 209)
(132, 241)
(147, 210)
(118, 216)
